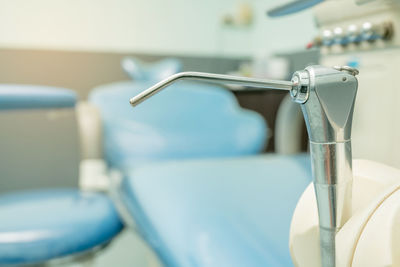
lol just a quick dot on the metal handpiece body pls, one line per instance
(327, 97)
(328, 113)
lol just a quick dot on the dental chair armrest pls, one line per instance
(14, 97)
(38, 138)
(90, 131)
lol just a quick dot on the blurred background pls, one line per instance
(79, 44)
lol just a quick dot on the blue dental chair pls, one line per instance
(196, 191)
(40, 224)
(233, 211)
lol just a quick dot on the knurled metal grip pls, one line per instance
(301, 86)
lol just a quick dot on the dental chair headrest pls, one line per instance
(156, 71)
(14, 96)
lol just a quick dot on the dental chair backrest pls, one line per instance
(188, 121)
(39, 144)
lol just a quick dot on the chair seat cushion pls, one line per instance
(37, 226)
(220, 212)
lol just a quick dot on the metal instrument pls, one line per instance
(327, 97)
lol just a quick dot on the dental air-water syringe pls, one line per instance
(327, 97)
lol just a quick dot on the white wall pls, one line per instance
(150, 26)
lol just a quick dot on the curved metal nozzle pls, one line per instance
(261, 84)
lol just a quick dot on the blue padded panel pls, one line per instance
(220, 212)
(14, 96)
(188, 120)
(157, 71)
(41, 225)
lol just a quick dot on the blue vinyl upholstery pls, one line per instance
(37, 226)
(197, 195)
(14, 96)
(187, 120)
(220, 212)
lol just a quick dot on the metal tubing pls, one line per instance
(262, 84)
(332, 169)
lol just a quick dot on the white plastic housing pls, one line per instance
(371, 237)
